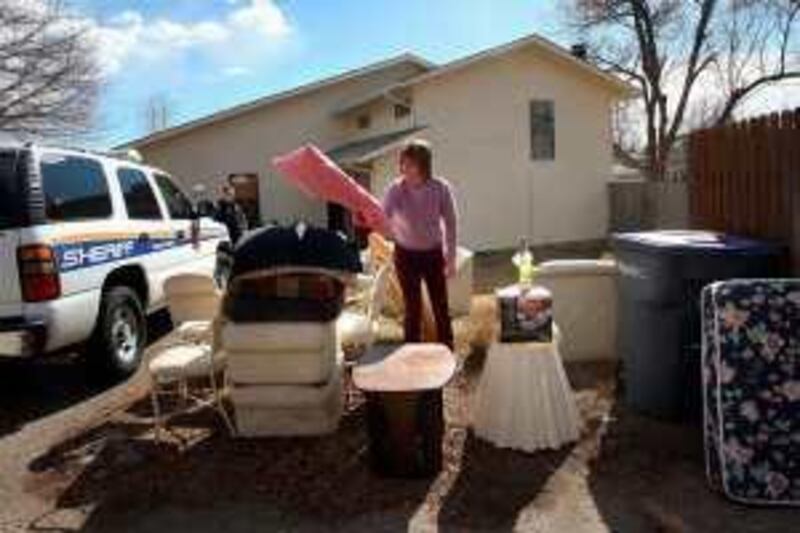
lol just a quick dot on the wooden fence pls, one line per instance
(744, 178)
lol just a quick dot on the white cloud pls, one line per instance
(261, 16)
(236, 71)
(130, 36)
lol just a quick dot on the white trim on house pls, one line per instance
(274, 98)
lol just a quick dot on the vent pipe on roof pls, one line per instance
(580, 50)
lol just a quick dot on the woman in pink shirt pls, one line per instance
(423, 220)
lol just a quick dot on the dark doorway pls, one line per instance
(246, 190)
(340, 219)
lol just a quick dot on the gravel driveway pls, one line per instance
(80, 457)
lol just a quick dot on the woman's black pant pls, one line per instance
(413, 267)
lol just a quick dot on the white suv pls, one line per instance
(86, 242)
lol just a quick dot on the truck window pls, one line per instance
(140, 201)
(11, 166)
(74, 188)
(178, 204)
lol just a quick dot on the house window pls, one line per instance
(543, 130)
(363, 121)
(401, 111)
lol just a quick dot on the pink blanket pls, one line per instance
(318, 176)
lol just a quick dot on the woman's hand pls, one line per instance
(449, 269)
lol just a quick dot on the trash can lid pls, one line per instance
(694, 241)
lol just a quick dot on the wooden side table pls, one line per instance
(405, 415)
(524, 400)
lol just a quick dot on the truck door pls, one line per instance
(11, 218)
(147, 222)
(188, 252)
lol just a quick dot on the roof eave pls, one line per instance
(378, 150)
(242, 109)
(385, 149)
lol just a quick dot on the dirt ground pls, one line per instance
(78, 457)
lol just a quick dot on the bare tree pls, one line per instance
(758, 46)
(158, 113)
(665, 47)
(48, 77)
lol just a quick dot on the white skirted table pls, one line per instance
(524, 400)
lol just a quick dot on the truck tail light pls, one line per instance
(38, 273)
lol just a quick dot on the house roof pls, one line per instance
(242, 109)
(539, 42)
(531, 40)
(432, 71)
(366, 149)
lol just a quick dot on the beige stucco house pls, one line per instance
(522, 131)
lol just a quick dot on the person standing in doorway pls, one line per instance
(423, 221)
(230, 213)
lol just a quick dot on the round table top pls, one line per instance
(411, 368)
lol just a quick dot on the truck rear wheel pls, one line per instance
(120, 335)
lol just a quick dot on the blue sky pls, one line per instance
(200, 56)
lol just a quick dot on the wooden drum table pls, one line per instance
(405, 415)
(524, 400)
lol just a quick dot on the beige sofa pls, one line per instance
(286, 377)
(584, 306)
(289, 410)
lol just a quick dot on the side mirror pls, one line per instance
(205, 208)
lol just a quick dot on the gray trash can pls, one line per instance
(661, 276)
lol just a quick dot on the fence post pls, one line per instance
(791, 176)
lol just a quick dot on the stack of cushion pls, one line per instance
(280, 353)
(284, 296)
(289, 410)
(286, 377)
(296, 248)
(295, 273)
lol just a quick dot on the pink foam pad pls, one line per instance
(318, 176)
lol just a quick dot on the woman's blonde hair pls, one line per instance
(419, 152)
